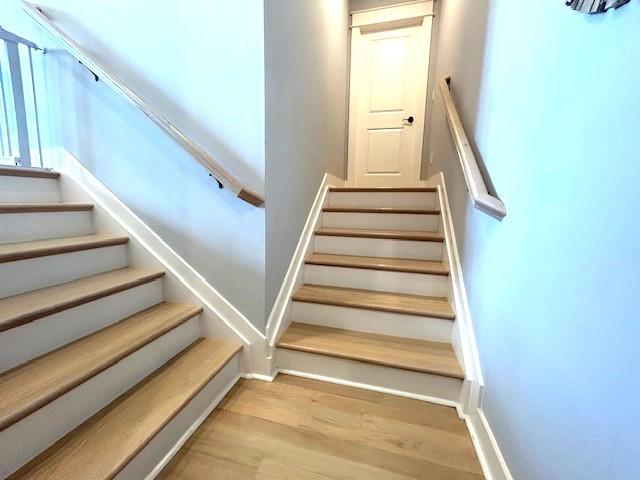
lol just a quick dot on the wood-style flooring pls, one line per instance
(301, 429)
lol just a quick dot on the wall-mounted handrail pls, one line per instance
(482, 199)
(110, 79)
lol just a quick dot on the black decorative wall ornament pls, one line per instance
(595, 6)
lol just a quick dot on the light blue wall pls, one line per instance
(551, 99)
(202, 65)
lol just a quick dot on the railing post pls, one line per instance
(13, 55)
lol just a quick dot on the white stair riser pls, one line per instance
(35, 273)
(27, 438)
(26, 189)
(421, 386)
(157, 454)
(373, 321)
(24, 227)
(36, 338)
(379, 280)
(376, 247)
(381, 221)
(382, 199)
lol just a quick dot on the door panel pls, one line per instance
(388, 85)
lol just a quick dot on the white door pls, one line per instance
(389, 73)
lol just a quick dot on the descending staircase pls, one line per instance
(100, 377)
(375, 309)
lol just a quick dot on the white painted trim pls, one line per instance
(277, 322)
(393, 13)
(191, 430)
(494, 466)
(366, 386)
(372, 9)
(471, 359)
(258, 376)
(233, 322)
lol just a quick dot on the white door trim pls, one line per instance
(382, 18)
(404, 11)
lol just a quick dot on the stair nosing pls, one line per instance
(364, 359)
(8, 171)
(382, 234)
(385, 189)
(384, 210)
(119, 401)
(58, 307)
(385, 268)
(92, 242)
(87, 375)
(345, 304)
(44, 207)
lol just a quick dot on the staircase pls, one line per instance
(375, 309)
(100, 376)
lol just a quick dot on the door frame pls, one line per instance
(377, 19)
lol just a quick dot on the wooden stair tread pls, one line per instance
(103, 445)
(383, 189)
(373, 300)
(379, 263)
(26, 388)
(415, 211)
(383, 234)
(26, 307)
(404, 353)
(10, 252)
(28, 172)
(44, 207)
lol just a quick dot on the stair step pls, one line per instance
(29, 387)
(28, 172)
(10, 252)
(381, 234)
(416, 211)
(44, 207)
(26, 307)
(396, 352)
(372, 300)
(383, 189)
(376, 263)
(103, 445)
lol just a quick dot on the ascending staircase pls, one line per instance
(100, 377)
(375, 308)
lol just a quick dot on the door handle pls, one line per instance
(409, 120)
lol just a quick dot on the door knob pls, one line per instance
(409, 120)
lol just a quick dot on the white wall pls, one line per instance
(202, 65)
(550, 99)
(306, 45)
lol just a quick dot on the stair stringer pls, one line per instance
(182, 283)
(280, 317)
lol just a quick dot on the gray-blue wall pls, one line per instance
(551, 99)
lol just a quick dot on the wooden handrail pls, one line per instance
(202, 156)
(482, 199)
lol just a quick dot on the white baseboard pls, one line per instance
(491, 459)
(470, 410)
(366, 386)
(220, 317)
(464, 342)
(258, 376)
(278, 318)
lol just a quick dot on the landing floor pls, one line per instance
(302, 429)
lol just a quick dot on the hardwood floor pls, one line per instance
(303, 429)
